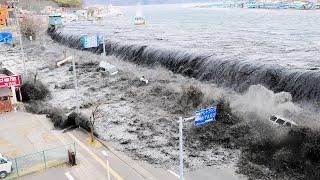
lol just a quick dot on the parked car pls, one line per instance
(280, 121)
(5, 166)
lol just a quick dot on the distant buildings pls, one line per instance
(3, 3)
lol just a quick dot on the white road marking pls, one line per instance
(69, 176)
(175, 174)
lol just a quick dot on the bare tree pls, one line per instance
(94, 116)
(35, 77)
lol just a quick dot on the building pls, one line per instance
(9, 84)
(4, 16)
(3, 3)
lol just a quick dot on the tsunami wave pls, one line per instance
(303, 85)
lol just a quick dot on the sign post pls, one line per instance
(203, 116)
(103, 46)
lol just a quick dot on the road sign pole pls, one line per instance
(104, 47)
(75, 84)
(181, 147)
(203, 116)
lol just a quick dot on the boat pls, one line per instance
(139, 20)
(251, 4)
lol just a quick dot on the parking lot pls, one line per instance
(31, 142)
(23, 133)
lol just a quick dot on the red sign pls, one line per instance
(8, 81)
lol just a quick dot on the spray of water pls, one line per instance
(264, 103)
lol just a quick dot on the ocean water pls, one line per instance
(290, 38)
(237, 48)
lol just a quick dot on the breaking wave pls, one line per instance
(236, 74)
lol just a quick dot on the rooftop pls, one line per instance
(5, 72)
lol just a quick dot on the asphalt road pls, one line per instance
(91, 164)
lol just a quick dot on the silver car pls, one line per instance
(280, 121)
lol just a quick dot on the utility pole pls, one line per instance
(21, 46)
(181, 147)
(75, 84)
(104, 47)
(22, 52)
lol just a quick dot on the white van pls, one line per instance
(5, 166)
(280, 121)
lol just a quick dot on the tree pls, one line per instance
(30, 28)
(94, 116)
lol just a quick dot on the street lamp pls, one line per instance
(71, 59)
(104, 153)
(75, 84)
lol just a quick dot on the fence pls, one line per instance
(41, 160)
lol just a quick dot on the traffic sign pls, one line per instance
(6, 37)
(205, 116)
(90, 41)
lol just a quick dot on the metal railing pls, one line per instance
(40, 161)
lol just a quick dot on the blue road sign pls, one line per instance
(90, 41)
(6, 37)
(205, 115)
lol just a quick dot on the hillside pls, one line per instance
(36, 4)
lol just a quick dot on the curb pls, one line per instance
(128, 161)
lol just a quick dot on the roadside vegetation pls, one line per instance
(69, 3)
(34, 90)
(34, 95)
